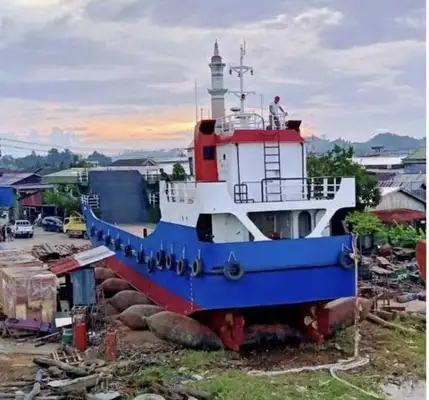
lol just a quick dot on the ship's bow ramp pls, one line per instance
(123, 199)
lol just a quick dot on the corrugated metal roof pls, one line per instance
(81, 260)
(11, 178)
(33, 186)
(387, 190)
(418, 155)
(399, 215)
(365, 161)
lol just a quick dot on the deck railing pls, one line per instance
(287, 189)
(180, 192)
(91, 200)
(229, 123)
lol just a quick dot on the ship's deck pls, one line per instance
(137, 229)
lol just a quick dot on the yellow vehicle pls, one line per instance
(74, 225)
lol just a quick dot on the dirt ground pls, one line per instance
(41, 237)
(390, 353)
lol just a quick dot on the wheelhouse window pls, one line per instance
(209, 153)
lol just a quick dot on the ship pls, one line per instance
(247, 240)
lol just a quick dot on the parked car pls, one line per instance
(22, 228)
(52, 224)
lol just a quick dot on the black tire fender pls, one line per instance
(151, 264)
(127, 250)
(107, 240)
(170, 261)
(197, 267)
(233, 271)
(181, 266)
(345, 261)
(140, 257)
(160, 259)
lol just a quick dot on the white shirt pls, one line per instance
(274, 108)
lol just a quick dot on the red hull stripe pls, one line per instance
(155, 292)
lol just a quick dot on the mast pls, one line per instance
(241, 70)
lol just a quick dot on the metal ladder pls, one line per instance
(273, 188)
(82, 177)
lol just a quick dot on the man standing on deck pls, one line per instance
(274, 112)
(163, 176)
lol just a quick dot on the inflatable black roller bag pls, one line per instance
(183, 330)
(134, 317)
(127, 298)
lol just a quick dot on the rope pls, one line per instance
(342, 365)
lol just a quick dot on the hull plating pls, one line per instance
(276, 272)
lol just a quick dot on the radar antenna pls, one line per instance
(241, 70)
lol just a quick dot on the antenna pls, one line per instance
(241, 70)
(196, 101)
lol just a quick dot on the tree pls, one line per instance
(63, 198)
(338, 162)
(179, 173)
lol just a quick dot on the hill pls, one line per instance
(389, 141)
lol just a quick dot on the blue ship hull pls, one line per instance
(275, 272)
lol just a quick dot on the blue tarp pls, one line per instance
(7, 197)
(83, 281)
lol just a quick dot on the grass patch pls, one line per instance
(395, 356)
(321, 386)
(201, 360)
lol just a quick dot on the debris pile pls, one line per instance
(48, 252)
(73, 377)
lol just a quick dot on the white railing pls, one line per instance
(90, 200)
(180, 192)
(232, 122)
(277, 122)
(287, 189)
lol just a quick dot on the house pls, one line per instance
(21, 193)
(415, 163)
(380, 163)
(134, 162)
(399, 205)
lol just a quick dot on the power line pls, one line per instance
(53, 146)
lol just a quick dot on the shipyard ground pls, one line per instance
(396, 359)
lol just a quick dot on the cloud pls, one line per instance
(125, 70)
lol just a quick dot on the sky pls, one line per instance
(115, 75)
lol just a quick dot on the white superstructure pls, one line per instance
(251, 182)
